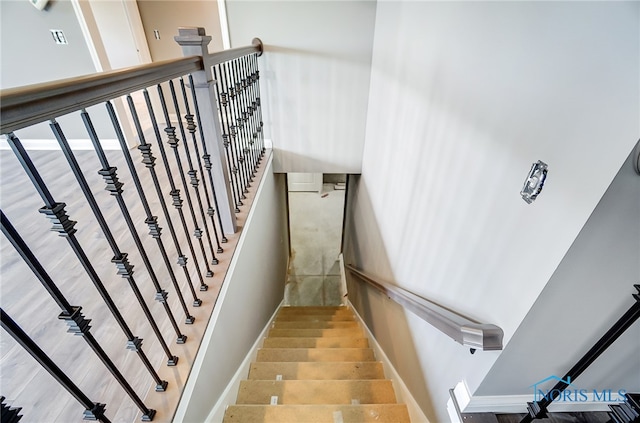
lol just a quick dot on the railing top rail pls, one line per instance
(486, 337)
(24, 106)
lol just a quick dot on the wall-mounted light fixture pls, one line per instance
(534, 182)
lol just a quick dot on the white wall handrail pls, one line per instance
(485, 337)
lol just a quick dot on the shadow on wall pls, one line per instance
(385, 318)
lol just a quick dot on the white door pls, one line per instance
(308, 182)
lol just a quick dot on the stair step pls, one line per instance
(340, 317)
(316, 370)
(315, 310)
(317, 333)
(368, 413)
(316, 392)
(314, 325)
(315, 354)
(334, 342)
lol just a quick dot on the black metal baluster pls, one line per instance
(251, 112)
(240, 86)
(223, 101)
(206, 157)
(174, 193)
(234, 130)
(93, 410)
(114, 186)
(246, 88)
(149, 162)
(255, 94)
(223, 98)
(191, 127)
(240, 123)
(65, 227)
(72, 315)
(9, 414)
(259, 105)
(193, 174)
(226, 97)
(120, 259)
(173, 143)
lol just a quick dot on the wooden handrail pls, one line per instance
(486, 337)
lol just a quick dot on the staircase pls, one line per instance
(316, 366)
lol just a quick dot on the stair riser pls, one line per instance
(369, 413)
(316, 392)
(316, 333)
(314, 318)
(314, 354)
(316, 371)
(335, 342)
(314, 325)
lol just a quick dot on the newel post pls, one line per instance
(194, 42)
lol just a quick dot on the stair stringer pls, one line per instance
(403, 394)
(230, 393)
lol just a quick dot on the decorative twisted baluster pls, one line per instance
(191, 127)
(173, 142)
(149, 161)
(124, 268)
(115, 189)
(234, 129)
(65, 227)
(193, 174)
(93, 410)
(223, 100)
(9, 414)
(72, 315)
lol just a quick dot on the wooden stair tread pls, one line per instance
(360, 370)
(316, 392)
(307, 324)
(315, 310)
(315, 354)
(330, 342)
(315, 366)
(317, 333)
(365, 413)
(315, 317)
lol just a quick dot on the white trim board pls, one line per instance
(515, 403)
(403, 394)
(230, 393)
(51, 144)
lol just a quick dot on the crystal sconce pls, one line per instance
(534, 182)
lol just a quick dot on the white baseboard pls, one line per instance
(52, 144)
(230, 393)
(518, 403)
(403, 394)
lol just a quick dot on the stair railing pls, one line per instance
(208, 103)
(538, 409)
(485, 337)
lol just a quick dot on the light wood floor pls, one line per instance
(23, 382)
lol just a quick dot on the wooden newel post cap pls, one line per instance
(190, 37)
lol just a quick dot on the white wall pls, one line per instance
(590, 289)
(252, 289)
(464, 97)
(314, 78)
